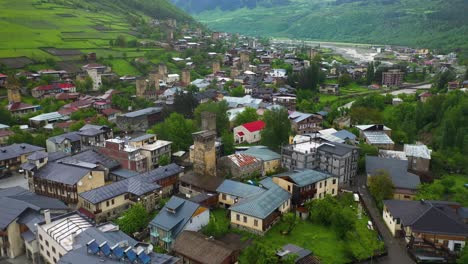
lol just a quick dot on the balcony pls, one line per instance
(154, 233)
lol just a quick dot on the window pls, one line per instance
(48, 253)
(289, 188)
(223, 196)
(245, 219)
(107, 203)
(112, 201)
(42, 247)
(325, 183)
(53, 249)
(333, 191)
(238, 217)
(55, 260)
(320, 185)
(334, 181)
(47, 243)
(255, 222)
(40, 237)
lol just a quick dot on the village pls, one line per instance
(233, 150)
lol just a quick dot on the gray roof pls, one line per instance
(377, 137)
(435, 217)
(305, 177)
(299, 116)
(48, 116)
(146, 111)
(17, 200)
(262, 153)
(38, 155)
(16, 150)
(92, 156)
(419, 151)
(90, 126)
(72, 136)
(263, 204)
(124, 173)
(238, 189)
(397, 170)
(90, 132)
(298, 251)
(267, 183)
(344, 135)
(142, 137)
(136, 185)
(61, 173)
(53, 156)
(337, 148)
(175, 222)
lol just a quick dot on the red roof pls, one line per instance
(3, 76)
(254, 126)
(4, 133)
(242, 160)
(19, 106)
(425, 94)
(110, 111)
(67, 96)
(63, 86)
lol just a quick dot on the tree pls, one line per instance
(307, 78)
(248, 115)
(84, 86)
(134, 219)
(321, 210)
(370, 73)
(177, 129)
(6, 117)
(185, 104)
(345, 80)
(228, 143)
(83, 114)
(277, 128)
(120, 41)
(463, 259)
(164, 160)
(290, 220)
(77, 126)
(237, 91)
(380, 186)
(258, 253)
(215, 227)
(343, 220)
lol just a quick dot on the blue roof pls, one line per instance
(238, 189)
(305, 177)
(263, 204)
(344, 135)
(175, 220)
(397, 170)
(267, 183)
(262, 153)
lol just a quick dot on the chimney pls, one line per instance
(47, 216)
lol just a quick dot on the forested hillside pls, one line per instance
(425, 23)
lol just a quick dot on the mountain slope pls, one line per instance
(429, 23)
(28, 27)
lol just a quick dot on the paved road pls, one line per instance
(396, 249)
(15, 180)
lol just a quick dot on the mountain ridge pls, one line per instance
(439, 24)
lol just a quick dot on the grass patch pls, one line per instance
(448, 188)
(123, 67)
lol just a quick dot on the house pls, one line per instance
(12, 156)
(68, 143)
(45, 119)
(176, 216)
(19, 213)
(192, 184)
(65, 179)
(306, 185)
(154, 151)
(241, 165)
(105, 243)
(376, 135)
(303, 123)
(302, 256)
(424, 96)
(111, 113)
(287, 100)
(193, 247)
(338, 159)
(257, 213)
(139, 120)
(453, 86)
(19, 108)
(94, 135)
(107, 202)
(329, 89)
(392, 78)
(130, 158)
(405, 183)
(249, 132)
(52, 89)
(427, 223)
(5, 134)
(418, 156)
(231, 192)
(271, 160)
(345, 135)
(92, 156)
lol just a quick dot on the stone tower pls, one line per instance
(162, 69)
(185, 78)
(216, 67)
(244, 60)
(204, 161)
(312, 53)
(154, 81)
(141, 86)
(14, 95)
(234, 72)
(96, 77)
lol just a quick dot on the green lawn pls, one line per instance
(123, 67)
(322, 241)
(352, 89)
(448, 188)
